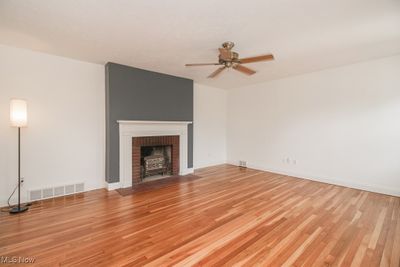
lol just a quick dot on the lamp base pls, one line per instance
(15, 210)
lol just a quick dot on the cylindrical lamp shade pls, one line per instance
(18, 113)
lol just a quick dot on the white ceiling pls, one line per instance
(304, 35)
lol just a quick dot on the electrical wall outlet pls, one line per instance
(288, 160)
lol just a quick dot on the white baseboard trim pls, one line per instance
(210, 164)
(366, 187)
(186, 171)
(113, 186)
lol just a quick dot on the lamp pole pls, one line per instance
(18, 117)
(19, 168)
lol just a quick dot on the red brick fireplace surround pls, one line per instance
(138, 142)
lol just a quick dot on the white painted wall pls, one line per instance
(209, 129)
(64, 140)
(339, 125)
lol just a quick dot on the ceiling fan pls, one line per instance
(229, 59)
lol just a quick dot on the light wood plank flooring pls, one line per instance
(230, 216)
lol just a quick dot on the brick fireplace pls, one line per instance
(153, 141)
(136, 134)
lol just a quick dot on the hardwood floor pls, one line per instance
(231, 216)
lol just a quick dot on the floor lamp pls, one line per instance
(18, 118)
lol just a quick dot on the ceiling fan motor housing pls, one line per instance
(233, 58)
(228, 45)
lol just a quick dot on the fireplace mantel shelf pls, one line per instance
(154, 122)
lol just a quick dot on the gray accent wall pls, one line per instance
(136, 94)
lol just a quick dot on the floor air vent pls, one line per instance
(48, 192)
(57, 191)
(69, 189)
(79, 187)
(35, 194)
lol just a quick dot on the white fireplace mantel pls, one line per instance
(129, 129)
(154, 122)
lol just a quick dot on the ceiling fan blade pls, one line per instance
(256, 59)
(243, 69)
(225, 54)
(201, 64)
(215, 73)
